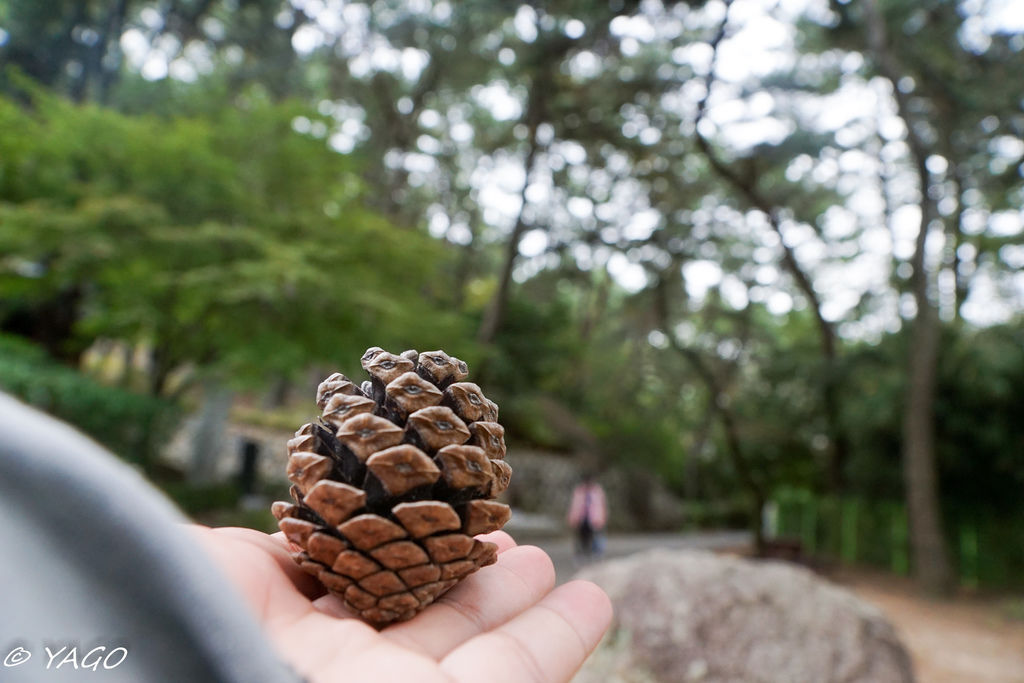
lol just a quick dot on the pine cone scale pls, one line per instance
(323, 548)
(448, 547)
(333, 501)
(354, 565)
(358, 598)
(427, 517)
(400, 555)
(420, 575)
(366, 532)
(382, 583)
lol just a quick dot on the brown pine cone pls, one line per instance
(392, 482)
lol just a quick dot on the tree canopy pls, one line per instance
(747, 245)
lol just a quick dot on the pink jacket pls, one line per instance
(589, 501)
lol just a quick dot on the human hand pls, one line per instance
(503, 623)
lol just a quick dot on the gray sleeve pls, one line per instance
(94, 557)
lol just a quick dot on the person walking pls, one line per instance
(588, 514)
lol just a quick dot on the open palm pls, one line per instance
(503, 623)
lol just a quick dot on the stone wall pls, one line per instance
(542, 483)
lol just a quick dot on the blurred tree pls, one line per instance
(67, 45)
(746, 180)
(720, 386)
(232, 241)
(79, 47)
(666, 257)
(931, 558)
(945, 81)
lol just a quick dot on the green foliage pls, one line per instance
(871, 412)
(134, 427)
(260, 518)
(980, 437)
(719, 513)
(227, 240)
(979, 434)
(536, 346)
(194, 499)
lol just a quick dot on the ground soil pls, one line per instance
(964, 639)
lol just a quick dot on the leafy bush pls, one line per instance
(194, 499)
(224, 242)
(131, 425)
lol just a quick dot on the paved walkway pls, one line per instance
(561, 551)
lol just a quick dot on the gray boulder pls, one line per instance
(695, 616)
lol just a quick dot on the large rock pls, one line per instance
(695, 616)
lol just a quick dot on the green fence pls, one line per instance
(987, 548)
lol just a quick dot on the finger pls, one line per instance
(490, 597)
(238, 539)
(277, 546)
(307, 584)
(333, 606)
(327, 650)
(255, 572)
(500, 539)
(545, 644)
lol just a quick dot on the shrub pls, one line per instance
(131, 425)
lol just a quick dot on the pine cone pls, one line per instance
(392, 482)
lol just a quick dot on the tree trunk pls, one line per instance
(928, 543)
(718, 403)
(277, 394)
(495, 314)
(160, 367)
(956, 236)
(746, 186)
(208, 441)
(927, 538)
(108, 44)
(536, 112)
(51, 323)
(691, 469)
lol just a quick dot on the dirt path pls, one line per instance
(952, 641)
